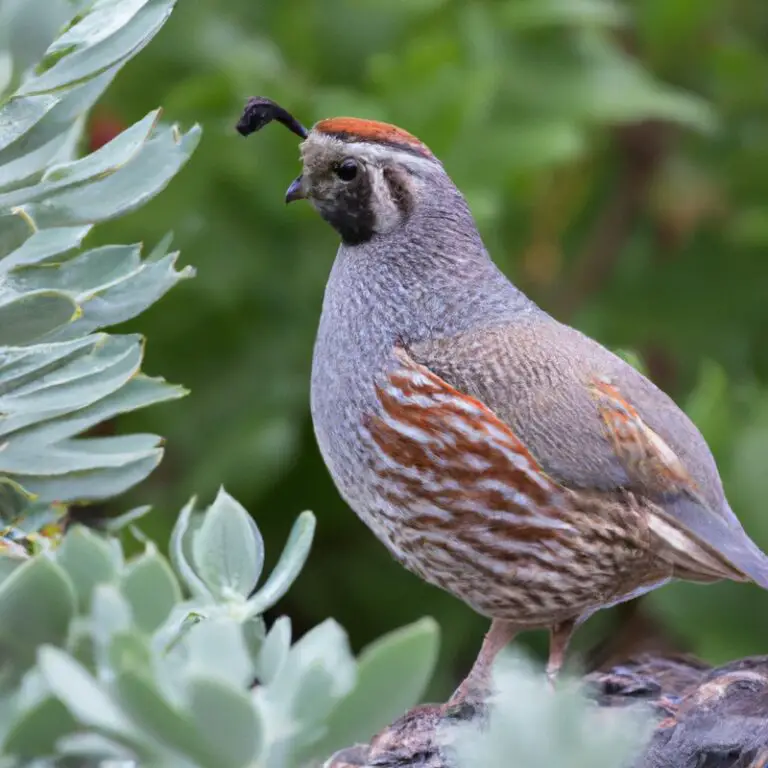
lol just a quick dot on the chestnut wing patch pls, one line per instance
(652, 466)
(442, 450)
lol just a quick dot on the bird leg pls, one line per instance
(478, 681)
(559, 637)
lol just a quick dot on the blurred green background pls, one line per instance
(616, 159)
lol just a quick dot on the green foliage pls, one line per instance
(60, 375)
(102, 656)
(527, 720)
(520, 99)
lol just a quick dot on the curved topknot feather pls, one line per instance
(260, 111)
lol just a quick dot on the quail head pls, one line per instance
(497, 453)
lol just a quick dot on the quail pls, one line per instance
(497, 453)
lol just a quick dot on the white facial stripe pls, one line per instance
(387, 214)
(375, 153)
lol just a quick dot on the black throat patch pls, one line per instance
(351, 214)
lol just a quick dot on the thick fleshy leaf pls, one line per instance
(44, 584)
(123, 299)
(19, 115)
(274, 650)
(289, 566)
(228, 550)
(36, 732)
(87, 560)
(55, 114)
(226, 720)
(112, 155)
(130, 651)
(13, 500)
(123, 191)
(94, 54)
(120, 522)
(392, 675)
(94, 746)
(47, 462)
(95, 484)
(74, 384)
(180, 551)
(106, 18)
(151, 589)
(45, 244)
(49, 200)
(144, 703)
(84, 697)
(28, 26)
(27, 317)
(319, 672)
(106, 160)
(110, 616)
(82, 275)
(217, 647)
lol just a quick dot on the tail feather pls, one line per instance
(704, 546)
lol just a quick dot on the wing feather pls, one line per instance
(594, 422)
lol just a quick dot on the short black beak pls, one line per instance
(294, 192)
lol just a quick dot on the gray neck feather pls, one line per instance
(428, 278)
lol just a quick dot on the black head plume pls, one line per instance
(260, 111)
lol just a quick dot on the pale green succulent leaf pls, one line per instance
(180, 551)
(14, 500)
(21, 367)
(138, 392)
(41, 583)
(94, 53)
(56, 114)
(130, 651)
(45, 244)
(75, 384)
(128, 188)
(274, 650)
(144, 703)
(288, 567)
(49, 200)
(19, 115)
(36, 732)
(317, 674)
(227, 548)
(105, 18)
(110, 615)
(94, 746)
(124, 298)
(27, 317)
(392, 675)
(82, 275)
(151, 588)
(118, 523)
(525, 708)
(226, 720)
(93, 484)
(81, 694)
(87, 560)
(217, 647)
(104, 160)
(100, 163)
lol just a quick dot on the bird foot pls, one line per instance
(467, 700)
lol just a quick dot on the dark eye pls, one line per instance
(346, 170)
